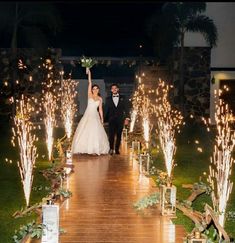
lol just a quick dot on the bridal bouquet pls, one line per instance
(87, 62)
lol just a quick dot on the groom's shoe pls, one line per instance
(117, 152)
(111, 151)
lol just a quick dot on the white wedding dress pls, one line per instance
(90, 136)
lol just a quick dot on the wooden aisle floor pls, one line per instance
(101, 209)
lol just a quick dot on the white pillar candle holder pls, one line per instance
(144, 163)
(69, 157)
(168, 200)
(50, 216)
(135, 146)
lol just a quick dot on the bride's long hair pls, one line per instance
(97, 86)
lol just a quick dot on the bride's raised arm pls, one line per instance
(89, 83)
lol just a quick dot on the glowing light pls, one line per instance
(141, 106)
(68, 106)
(49, 120)
(133, 119)
(169, 121)
(21, 65)
(199, 149)
(145, 113)
(49, 102)
(221, 160)
(135, 106)
(23, 133)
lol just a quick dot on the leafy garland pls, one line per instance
(147, 201)
(33, 230)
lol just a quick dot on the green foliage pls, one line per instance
(12, 196)
(193, 166)
(230, 215)
(65, 193)
(213, 236)
(41, 188)
(166, 27)
(201, 186)
(148, 201)
(32, 229)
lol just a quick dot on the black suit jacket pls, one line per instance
(118, 113)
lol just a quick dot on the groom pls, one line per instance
(115, 115)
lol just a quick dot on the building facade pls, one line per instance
(222, 66)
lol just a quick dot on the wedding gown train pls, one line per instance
(90, 136)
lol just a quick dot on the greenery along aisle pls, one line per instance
(192, 157)
(12, 196)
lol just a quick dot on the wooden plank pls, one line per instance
(101, 209)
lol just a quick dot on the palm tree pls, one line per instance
(27, 24)
(163, 34)
(183, 17)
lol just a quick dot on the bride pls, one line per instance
(90, 136)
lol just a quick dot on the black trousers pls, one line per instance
(115, 129)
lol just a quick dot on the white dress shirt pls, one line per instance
(116, 99)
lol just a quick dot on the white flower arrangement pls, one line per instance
(87, 62)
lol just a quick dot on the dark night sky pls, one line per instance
(105, 29)
(97, 28)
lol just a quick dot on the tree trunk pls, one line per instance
(181, 81)
(14, 58)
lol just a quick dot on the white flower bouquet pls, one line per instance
(87, 62)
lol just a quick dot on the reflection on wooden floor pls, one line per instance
(101, 209)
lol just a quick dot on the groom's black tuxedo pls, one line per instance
(115, 116)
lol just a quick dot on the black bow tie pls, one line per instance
(115, 95)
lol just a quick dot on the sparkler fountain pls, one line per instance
(49, 102)
(222, 161)
(141, 106)
(23, 133)
(49, 120)
(168, 121)
(145, 113)
(68, 106)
